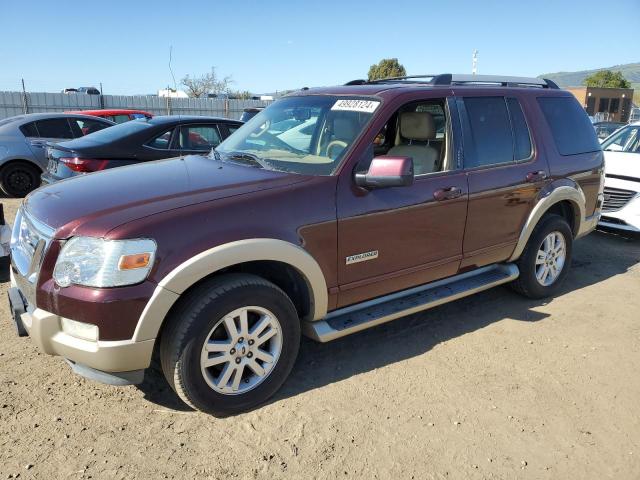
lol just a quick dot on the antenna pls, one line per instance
(175, 86)
(474, 65)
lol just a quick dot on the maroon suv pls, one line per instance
(329, 212)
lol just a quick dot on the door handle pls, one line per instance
(533, 177)
(448, 193)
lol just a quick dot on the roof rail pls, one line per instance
(456, 79)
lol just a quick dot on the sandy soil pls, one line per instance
(491, 387)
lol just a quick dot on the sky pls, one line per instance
(279, 45)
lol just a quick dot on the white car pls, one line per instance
(621, 209)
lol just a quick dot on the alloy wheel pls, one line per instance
(241, 350)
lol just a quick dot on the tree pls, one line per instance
(387, 67)
(208, 83)
(242, 95)
(607, 79)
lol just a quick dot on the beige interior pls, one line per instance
(417, 127)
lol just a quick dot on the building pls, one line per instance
(170, 92)
(611, 104)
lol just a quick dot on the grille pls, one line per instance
(616, 198)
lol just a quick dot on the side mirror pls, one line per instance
(387, 171)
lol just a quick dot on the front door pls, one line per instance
(390, 239)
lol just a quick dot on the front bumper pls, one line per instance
(45, 328)
(626, 218)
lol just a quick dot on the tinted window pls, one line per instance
(199, 137)
(54, 128)
(572, 131)
(82, 127)
(490, 132)
(162, 141)
(29, 130)
(521, 138)
(120, 118)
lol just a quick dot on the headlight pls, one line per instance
(96, 262)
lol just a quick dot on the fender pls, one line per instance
(549, 196)
(215, 259)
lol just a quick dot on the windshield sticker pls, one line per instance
(368, 106)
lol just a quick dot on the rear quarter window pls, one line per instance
(29, 130)
(570, 126)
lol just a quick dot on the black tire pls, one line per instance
(527, 284)
(189, 327)
(17, 179)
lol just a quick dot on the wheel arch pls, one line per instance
(287, 265)
(567, 200)
(29, 161)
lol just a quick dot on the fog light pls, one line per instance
(85, 331)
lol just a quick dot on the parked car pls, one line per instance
(134, 142)
(621, 209)
(70, 90)
(23, 155)
(117, 115)
(634, 115)
(249, 113)
(89, 90)
(604, 129)
(219, 262)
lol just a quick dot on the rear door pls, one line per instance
(48, 130)
(505, 173)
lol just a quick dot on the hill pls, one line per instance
(631, 72)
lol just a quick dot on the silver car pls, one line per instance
(23, 151)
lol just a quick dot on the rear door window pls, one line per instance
(489, 130)
(54, 128)
(162, 141)
(495, 131)
(200, 138)
(570, 126)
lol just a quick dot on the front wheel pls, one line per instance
(231, 344)
(545, 261)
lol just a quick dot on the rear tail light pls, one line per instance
(83, 165)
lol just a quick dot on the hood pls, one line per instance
(96, 203)
(622, 163)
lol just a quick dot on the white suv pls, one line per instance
(621, 209)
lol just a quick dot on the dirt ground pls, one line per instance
(491, 387)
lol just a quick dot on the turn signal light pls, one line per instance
(136, 260)
(83, 165)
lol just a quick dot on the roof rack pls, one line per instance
(455, 79)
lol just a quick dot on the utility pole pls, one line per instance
(474, 67)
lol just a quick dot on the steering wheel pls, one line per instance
(333, 144)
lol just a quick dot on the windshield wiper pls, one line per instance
(244, 157)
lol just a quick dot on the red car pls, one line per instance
(116, 115)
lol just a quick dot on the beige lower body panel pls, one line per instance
(108, 356)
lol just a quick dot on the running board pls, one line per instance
(361, 316)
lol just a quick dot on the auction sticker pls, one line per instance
(368, 106)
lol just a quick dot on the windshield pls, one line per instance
(307, 135)
(625, 140)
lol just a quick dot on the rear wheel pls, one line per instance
(17, 179)
(231, 344)
(545, 261)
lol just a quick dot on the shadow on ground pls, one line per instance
(597, 257)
